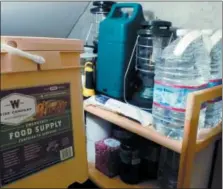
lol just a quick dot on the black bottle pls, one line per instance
(130, 162)
(149, 153)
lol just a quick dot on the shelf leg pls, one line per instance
(189, 141)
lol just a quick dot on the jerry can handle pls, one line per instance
(137, 9)
(35, 58)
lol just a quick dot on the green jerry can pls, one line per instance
(117, 36)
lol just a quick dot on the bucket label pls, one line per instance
(35, 130)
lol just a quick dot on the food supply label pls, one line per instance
(173, 97)
(35, 130)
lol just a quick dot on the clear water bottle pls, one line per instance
(183, 68)
(214, 107)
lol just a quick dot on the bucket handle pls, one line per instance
(35, 58)
(137, 8)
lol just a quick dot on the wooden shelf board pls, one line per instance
(103, 181)
(150, 133)
(146, 132)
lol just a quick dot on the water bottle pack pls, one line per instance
(214, 107)
(183, 68)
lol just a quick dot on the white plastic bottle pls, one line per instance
(214, 107)
(184, 68)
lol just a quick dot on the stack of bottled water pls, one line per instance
(184, 67)
(214, 107)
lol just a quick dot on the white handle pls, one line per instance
(216, 37)
(186, 41)
(35, 58)
(207, 39)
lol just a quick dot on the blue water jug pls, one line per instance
(117, 36)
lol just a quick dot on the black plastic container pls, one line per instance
(121, 134)
(150, 155)
(130, 162)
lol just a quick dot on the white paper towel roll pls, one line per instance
(91, 151)
(96, 128)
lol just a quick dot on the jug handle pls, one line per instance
(137, 8)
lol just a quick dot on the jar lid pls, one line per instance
(113, 143)
(145, 28)
(146, 24)
(146, 32)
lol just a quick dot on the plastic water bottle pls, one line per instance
(214, 107)
(183, 68)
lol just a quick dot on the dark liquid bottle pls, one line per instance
(129, 162)
(149, 153)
